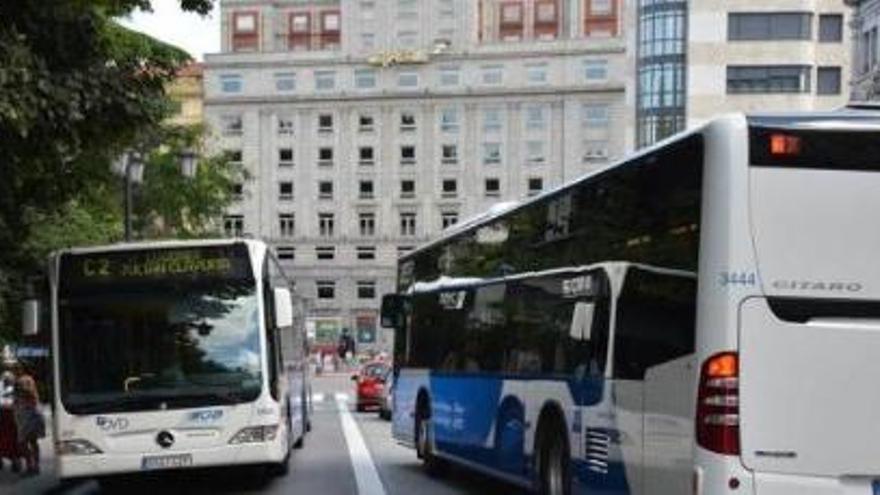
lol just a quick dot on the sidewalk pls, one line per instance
(40, 484)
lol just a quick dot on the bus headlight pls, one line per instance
(255, 434)
(77, 447)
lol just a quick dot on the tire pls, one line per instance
(554, 461)
(281, 469)
(385, 414)
(434, 466)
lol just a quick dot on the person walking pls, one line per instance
(9, 448)
(29, 420)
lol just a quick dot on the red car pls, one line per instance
(370, 383)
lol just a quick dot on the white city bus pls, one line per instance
(175, 355)
(702, 317)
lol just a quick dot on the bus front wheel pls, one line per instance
(432, 464)
(554, 475)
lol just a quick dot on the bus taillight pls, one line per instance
(718, 404)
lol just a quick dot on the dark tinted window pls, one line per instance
(830, 28)
(828, 81)
(656, 317)
(769, 26)
(830, 150)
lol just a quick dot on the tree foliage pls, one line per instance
(76, 89)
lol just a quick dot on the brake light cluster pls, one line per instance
(718, 404)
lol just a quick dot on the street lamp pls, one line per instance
(131, 166)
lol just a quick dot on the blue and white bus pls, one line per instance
(175, 355)
(703, 317)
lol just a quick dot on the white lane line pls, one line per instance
(365, 473)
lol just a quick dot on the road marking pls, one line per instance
(365, 473)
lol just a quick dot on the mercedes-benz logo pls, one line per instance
(165, 439)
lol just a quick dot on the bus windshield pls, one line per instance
(138, 339)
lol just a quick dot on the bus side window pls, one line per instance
(656, 315)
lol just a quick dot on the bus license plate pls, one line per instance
(167, 461)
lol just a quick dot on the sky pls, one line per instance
(189, 31)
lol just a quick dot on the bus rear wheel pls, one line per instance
(433, 465)
(554, 463)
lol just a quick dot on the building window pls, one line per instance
(536, 186)
(366, 289)
(768, 79)
(408, 224)
(404, 250)
(511, 28)
(285, 191)
(285, 81)
(407, 155)
(245, 35)
(407, 189)
(492, 75)
(366, 252)
(830, 28)
(407, 122)
(233, 225)
(449, 154)
(595, 70)
(300, 31)
(600, 7)
(366, 156)
(449, 76)
(365, 189)
(869, 50)
(368, 41)
(449, 120)
(326, 289)
(407, 39)
(325, 156)
(408, 80)
(535, 152)
(368, 10)
(286, 253)
(325, 253)
(448, 219)
(285, 126)
(235, 156)
(325, 189)
(492, 188)
(231, 83)
(595, 151)
(449, 188)
(236, 191)
(769, 26)
(326, 224)
(232, 125)
(491, 120)
(325, 80)
(595, 116)
(286, 224)
(536, 74)
(828, 81)
(367, 222)
(491, 153)
(535, 118)
(366, 123)
(365, 78)
(325, 123)
(285, 157)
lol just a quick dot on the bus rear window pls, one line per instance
(814, 149)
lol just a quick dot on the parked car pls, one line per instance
(386, 401)
(369, 385)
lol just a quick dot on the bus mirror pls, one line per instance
(393, 310)
(30, 317)
(283, 308)
(582, 321)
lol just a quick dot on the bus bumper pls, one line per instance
(88, 466)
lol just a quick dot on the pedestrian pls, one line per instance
(29, 420)
(8, 432)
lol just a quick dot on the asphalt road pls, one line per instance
(346, 453)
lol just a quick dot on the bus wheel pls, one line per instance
(433, 465)
(554, 475)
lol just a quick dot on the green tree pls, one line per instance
(76, 89)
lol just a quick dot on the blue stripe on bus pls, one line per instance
(464, 411)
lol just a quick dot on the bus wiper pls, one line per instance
(120, 404)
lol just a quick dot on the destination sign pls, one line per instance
(230, 261)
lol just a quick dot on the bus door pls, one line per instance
(653, 371)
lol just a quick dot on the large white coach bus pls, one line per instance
(174, 355)
(703, 317)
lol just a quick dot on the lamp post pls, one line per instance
(131, 166)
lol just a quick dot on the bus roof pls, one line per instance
(852, 117)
